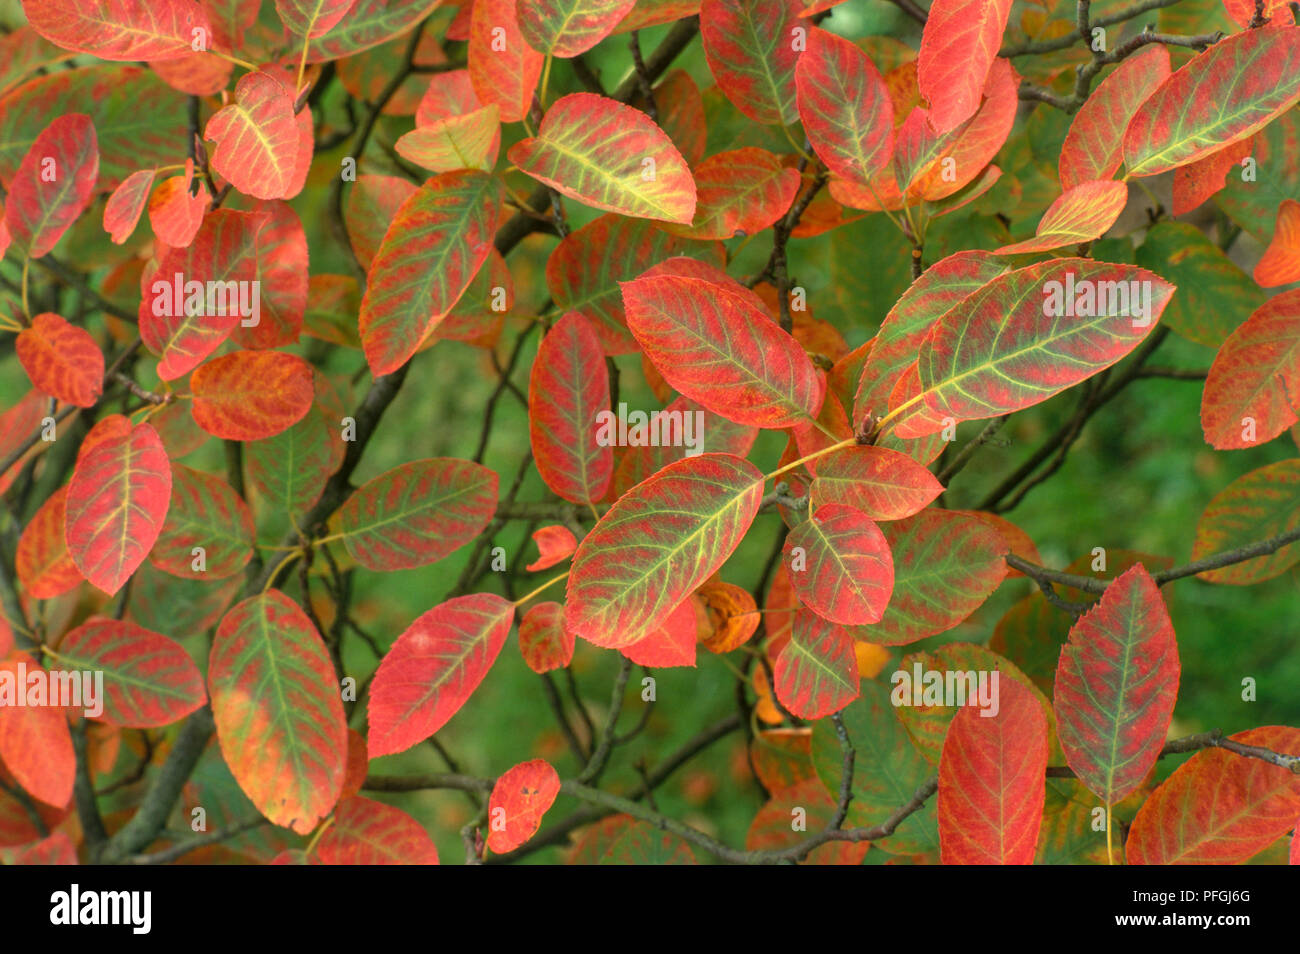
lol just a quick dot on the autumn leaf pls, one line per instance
(991, 781)
(1116, 685)
(609, 156)
(1281, 262)
(518, 801)
(567, 390)
(61, 360)
(276, 703)
(435, 244)
(149, 680)
(1082, 213)
(120, 29)
(1094, 146)
(1218, 807)
(256, 138)
(1253, 387)
(717, 346)
(117, 502)
(635, 567)
(1229, 92)
(566, 28)
(958, 46)
(543, 640)
(433, 668)
(53, 184)
(366, 832)
(845, 107)
(751, 51)
(250, 395)
(840, 565)
(554, 545)
(417, 513)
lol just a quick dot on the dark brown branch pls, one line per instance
(1090, 584)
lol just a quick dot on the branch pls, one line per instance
(1090, 584)
(1062, 42)
(168, 855)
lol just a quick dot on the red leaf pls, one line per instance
(1116, 684)
(117, 502)
(433, 668)
(744, 191)
(992, 781)
(1199, 180)
(431, 252)
(312, 18)
(840, 565)
(882, 483)
(1229, 92)
(1281, 262)
(418, 513)
(945, 566)
(1219, 808)
(57, 849)
(1082, 213)
(35, 744)
(257, 139)
(206, 514)
(61, 360)
(657, 545)
(275, 699)
(175, 214)
(585, 268)
(673, 643)
(53, 184)
(1018, 340)
(519, 799)
(280, 265)
(543, 640)
(752, 50)
(565, 28)
(554, 545)
(716, 345)
(124, 206)
(568, 388)
(449, 94)
(120, 29)
(366, 832)
(1253, 388)
(1094, 146)
(42, 562)
(958, 46)
(609, 156)
(845, 107)
(1243, 11)
(183, 326)
(816, 672)
(249, 395)
(1255, 506)
(149, 680)
(467, 141)
(503, 68)
(958, 157)
(372, 203)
